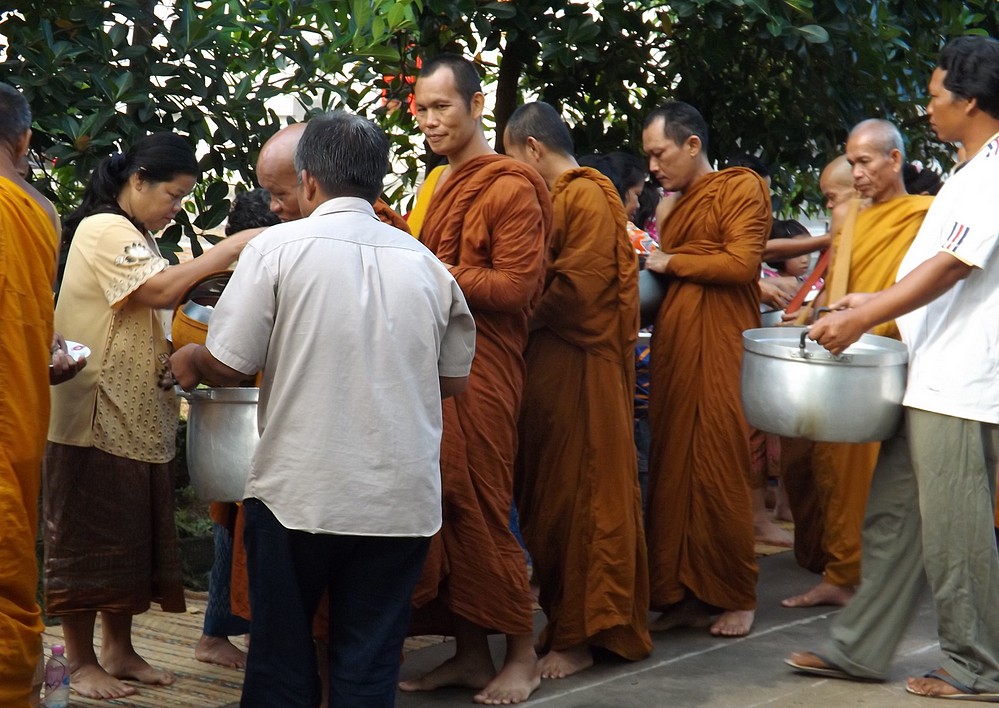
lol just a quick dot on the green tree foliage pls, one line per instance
(101, 73)
(784, 79)
(780, 78)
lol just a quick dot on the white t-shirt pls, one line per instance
(954, 340)
(351, 321)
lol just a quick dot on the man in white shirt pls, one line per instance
(932, 499)
(359, 331)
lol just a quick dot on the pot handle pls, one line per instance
(198, 394)
(804, 334)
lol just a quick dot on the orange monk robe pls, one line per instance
(489, 221)
(843, 471)
(576, 477)
(232, 518)
(699, 518)
(28, 248)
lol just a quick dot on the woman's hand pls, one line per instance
(63, 367)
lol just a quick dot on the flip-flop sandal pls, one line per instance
(828, 670)
(966, 692)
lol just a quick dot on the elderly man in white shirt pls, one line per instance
(359, 332)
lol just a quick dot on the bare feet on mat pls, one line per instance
(515, 683)
(734, 623)
(133, 666)
(559, 664)
(454, 672)
(220, 651)
(92, 681)
(822, 594)
(686, 613)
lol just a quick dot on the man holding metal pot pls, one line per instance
(932, 498)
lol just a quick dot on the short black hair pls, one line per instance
(346, 154)
(466, 76)
(15, 114)
(680, 121)
(623, 169)
(539, 120)
(751, 162)
(972, 66)
(250, 210)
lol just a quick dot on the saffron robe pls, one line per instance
(576, 477)
(699, 519)
(489, 221)
(843, 471)
(28, 248)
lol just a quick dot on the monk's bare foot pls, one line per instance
(469, 673)
(515, 683)
(559, 664)
(770, 534)
(220, 651)
(687, 613)
(932, 687)
(734, 623)
(92, 681)
(133, 666)
(822, 594)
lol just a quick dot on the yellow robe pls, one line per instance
(28, 247)
(576, 477)
(843, 471)
(699, 519)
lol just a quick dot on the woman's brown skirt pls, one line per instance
(110, 538)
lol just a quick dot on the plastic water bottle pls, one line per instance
(57, 679)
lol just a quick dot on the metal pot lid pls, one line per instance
(786, 343)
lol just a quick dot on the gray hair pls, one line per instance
(15, 115)
(886, 136)
(346, 154)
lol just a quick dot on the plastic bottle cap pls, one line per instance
(58, 650)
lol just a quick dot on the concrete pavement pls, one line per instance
(691, 668)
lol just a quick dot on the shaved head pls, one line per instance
(882, 134)
(276, 171)
(542, 122)
(836, 182)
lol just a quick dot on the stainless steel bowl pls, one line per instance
(793, 386)
(221, 440)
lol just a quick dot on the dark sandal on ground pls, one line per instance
(828, 669)
(965, 693)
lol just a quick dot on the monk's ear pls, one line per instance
(22, 144)
(896, 158)
(477, 105)
(694, 145)
(533, 148)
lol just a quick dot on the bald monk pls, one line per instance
(576, 466)
(29, 246)
(699, 518)
(487, 219)
(882, 236)
(276, 173)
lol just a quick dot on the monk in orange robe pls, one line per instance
(487, 220)
(28, 251)
(842, 472)
(699, 518)
(576, 477)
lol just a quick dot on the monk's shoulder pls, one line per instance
(587, 197)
